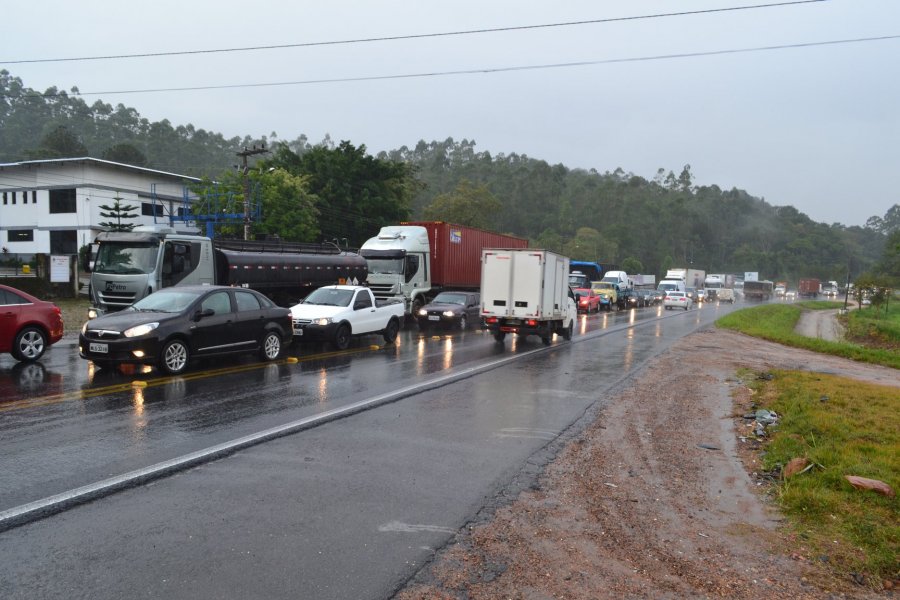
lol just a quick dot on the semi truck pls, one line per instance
(809, 288)
(416, 260)
(680, 279)
(129, 265)
(526, 292)
(715, 282)
(758, 290)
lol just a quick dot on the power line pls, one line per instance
(484, 70)
(408, 37)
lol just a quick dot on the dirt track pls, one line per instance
(652, 500)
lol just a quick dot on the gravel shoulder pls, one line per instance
(656, 498)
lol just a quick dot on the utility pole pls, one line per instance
(245, 170)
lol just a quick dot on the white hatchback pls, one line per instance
(677, 300)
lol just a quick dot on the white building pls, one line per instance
(53, 206)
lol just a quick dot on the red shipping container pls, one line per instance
(456, 252)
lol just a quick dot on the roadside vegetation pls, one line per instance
(819, 304)
(841, 427)
(776, 323)
(876, 327)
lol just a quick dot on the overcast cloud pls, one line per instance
(816, 127)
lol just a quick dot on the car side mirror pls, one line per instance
(206, 312)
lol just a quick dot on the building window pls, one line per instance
(20, 235)
(62, 201)
(64, 242)
(5, 200)
(14, 198)
(34, 196)
(151, 210)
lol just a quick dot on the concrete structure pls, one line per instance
(53, 206)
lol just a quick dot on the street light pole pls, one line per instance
(245, 170)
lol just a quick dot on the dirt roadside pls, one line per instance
(656, 498)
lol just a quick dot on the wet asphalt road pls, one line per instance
(348, 509)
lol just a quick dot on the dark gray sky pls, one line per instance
(814, 127)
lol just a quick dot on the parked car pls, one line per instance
(678, 300)
(28, 326)
(172, 326)
(455, 309)
(588, 300)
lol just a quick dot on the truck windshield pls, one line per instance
(577, 280)
(126, 259)
(385, 266)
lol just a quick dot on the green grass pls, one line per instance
(875, 326)
(844, 427)
(820, 304)
(776, 322)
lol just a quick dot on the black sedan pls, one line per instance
(171, 327)
(450, 308)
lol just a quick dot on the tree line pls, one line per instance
(340, 192)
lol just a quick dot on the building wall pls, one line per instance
(96, 183)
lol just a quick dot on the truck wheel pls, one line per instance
(29, 345)
(174, 357)
(341, 339)
(271, 346)
(567, 332)
(390, 332)
(499, 335)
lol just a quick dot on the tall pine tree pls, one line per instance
(119, 212)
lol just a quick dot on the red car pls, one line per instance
(588, 300)
(27, 325)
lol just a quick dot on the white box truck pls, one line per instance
(526, 292)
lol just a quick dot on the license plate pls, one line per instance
(101, 348)
(434, 318)
(298, 332)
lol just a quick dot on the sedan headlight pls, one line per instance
(84, 328)
(322, 322)
(449, 313)
(423, 312)
(140, 330)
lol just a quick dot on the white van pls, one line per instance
(671, 285)
(620, 278)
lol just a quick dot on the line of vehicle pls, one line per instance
(32, 511)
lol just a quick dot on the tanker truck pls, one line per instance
(129, 265)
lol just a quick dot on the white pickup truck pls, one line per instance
(335, 313)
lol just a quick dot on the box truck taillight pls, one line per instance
(491, 320)
(531, 322)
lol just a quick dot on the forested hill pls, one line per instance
(612, 216)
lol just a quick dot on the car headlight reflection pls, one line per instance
(140, 330)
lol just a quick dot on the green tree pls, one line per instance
(357, 193)
(59, 143)
(125, 154)
(120, 212)
(467, 204)
(632, 265)
(288, 208)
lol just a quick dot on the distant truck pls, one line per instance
(758, 290)
(526, 292)
(681, 279)
(335, 313)
(129, 265)
(809, 288)
(780, 289)
(715, 282)
(414, 261)
(619, 278)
